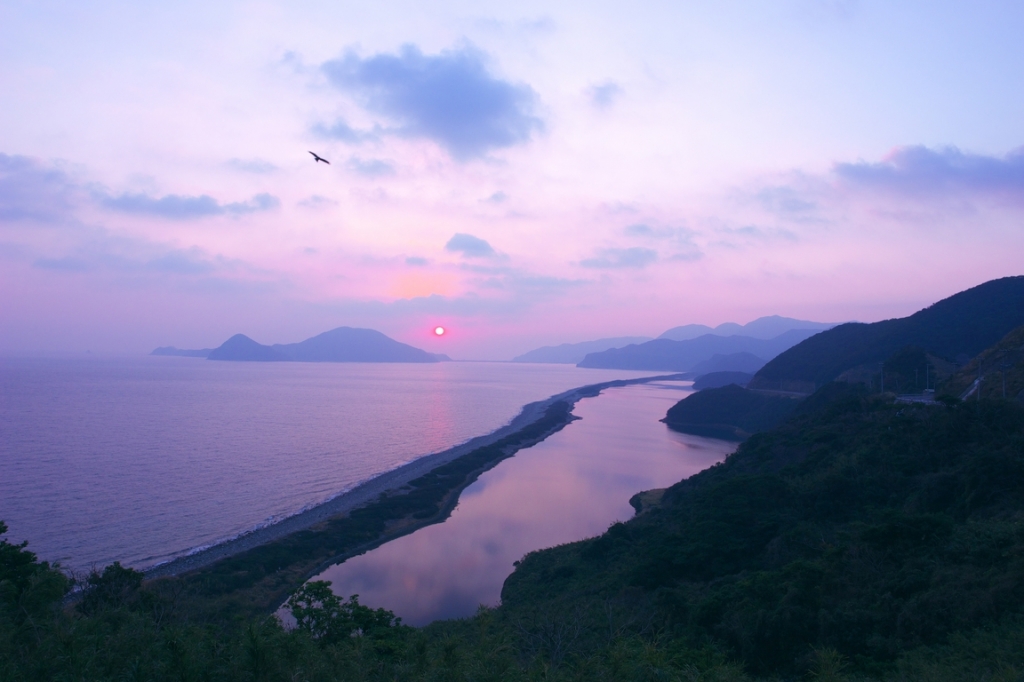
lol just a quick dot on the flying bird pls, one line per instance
(320, 158)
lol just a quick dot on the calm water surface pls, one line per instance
(571, 486)
(144, 459)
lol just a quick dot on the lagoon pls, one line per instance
(570, 486)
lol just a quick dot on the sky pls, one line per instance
(522, 174)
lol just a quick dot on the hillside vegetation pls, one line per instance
(1001, 369)
(860, 527)
(729, 412)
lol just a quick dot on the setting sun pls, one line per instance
(439, 331)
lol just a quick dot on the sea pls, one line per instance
(145, 459)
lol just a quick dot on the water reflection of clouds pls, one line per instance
(571, 486)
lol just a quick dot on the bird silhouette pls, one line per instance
(317, 158)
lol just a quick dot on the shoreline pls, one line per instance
(389, 482)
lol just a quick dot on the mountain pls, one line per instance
(349, 344)
(181, 352)
(733, 362)
(720, 379)
(956, 328)
(241, 347)
(728, 412)
(344, 344)
(762, 328)
(682, 356)
(572, 353)
(691, 331)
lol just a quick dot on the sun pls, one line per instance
(439, 331)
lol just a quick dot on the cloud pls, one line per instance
(99, 257)
(497, 198)
(30, 190)
(784, 200)
(633, 257)
(640, 230)
(759, 233)
(343, 131)
(178, 207)
(471, 247)
(686, 256)
(449, 98)
(96, 249)
(918, 170)
(371, 168)
(416, 261)
(316, 201)
(252, 165)
(603, 96)
(673, 236)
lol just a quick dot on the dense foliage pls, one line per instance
(1001, 368)
(859, 526)
(729, 412)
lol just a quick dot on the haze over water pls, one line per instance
(142, 459)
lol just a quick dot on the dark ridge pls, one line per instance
(956, 328)
(729, 412)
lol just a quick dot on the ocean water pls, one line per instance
(568, 487)
(144, 459)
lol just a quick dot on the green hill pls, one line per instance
(729, 412)
(860, 528)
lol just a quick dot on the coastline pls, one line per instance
(392, 481)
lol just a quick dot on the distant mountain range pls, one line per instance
(985, 323)
(572, 353)
(344, 344)
(717, 353)
(762, 328)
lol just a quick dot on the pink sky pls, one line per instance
(523, 175)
